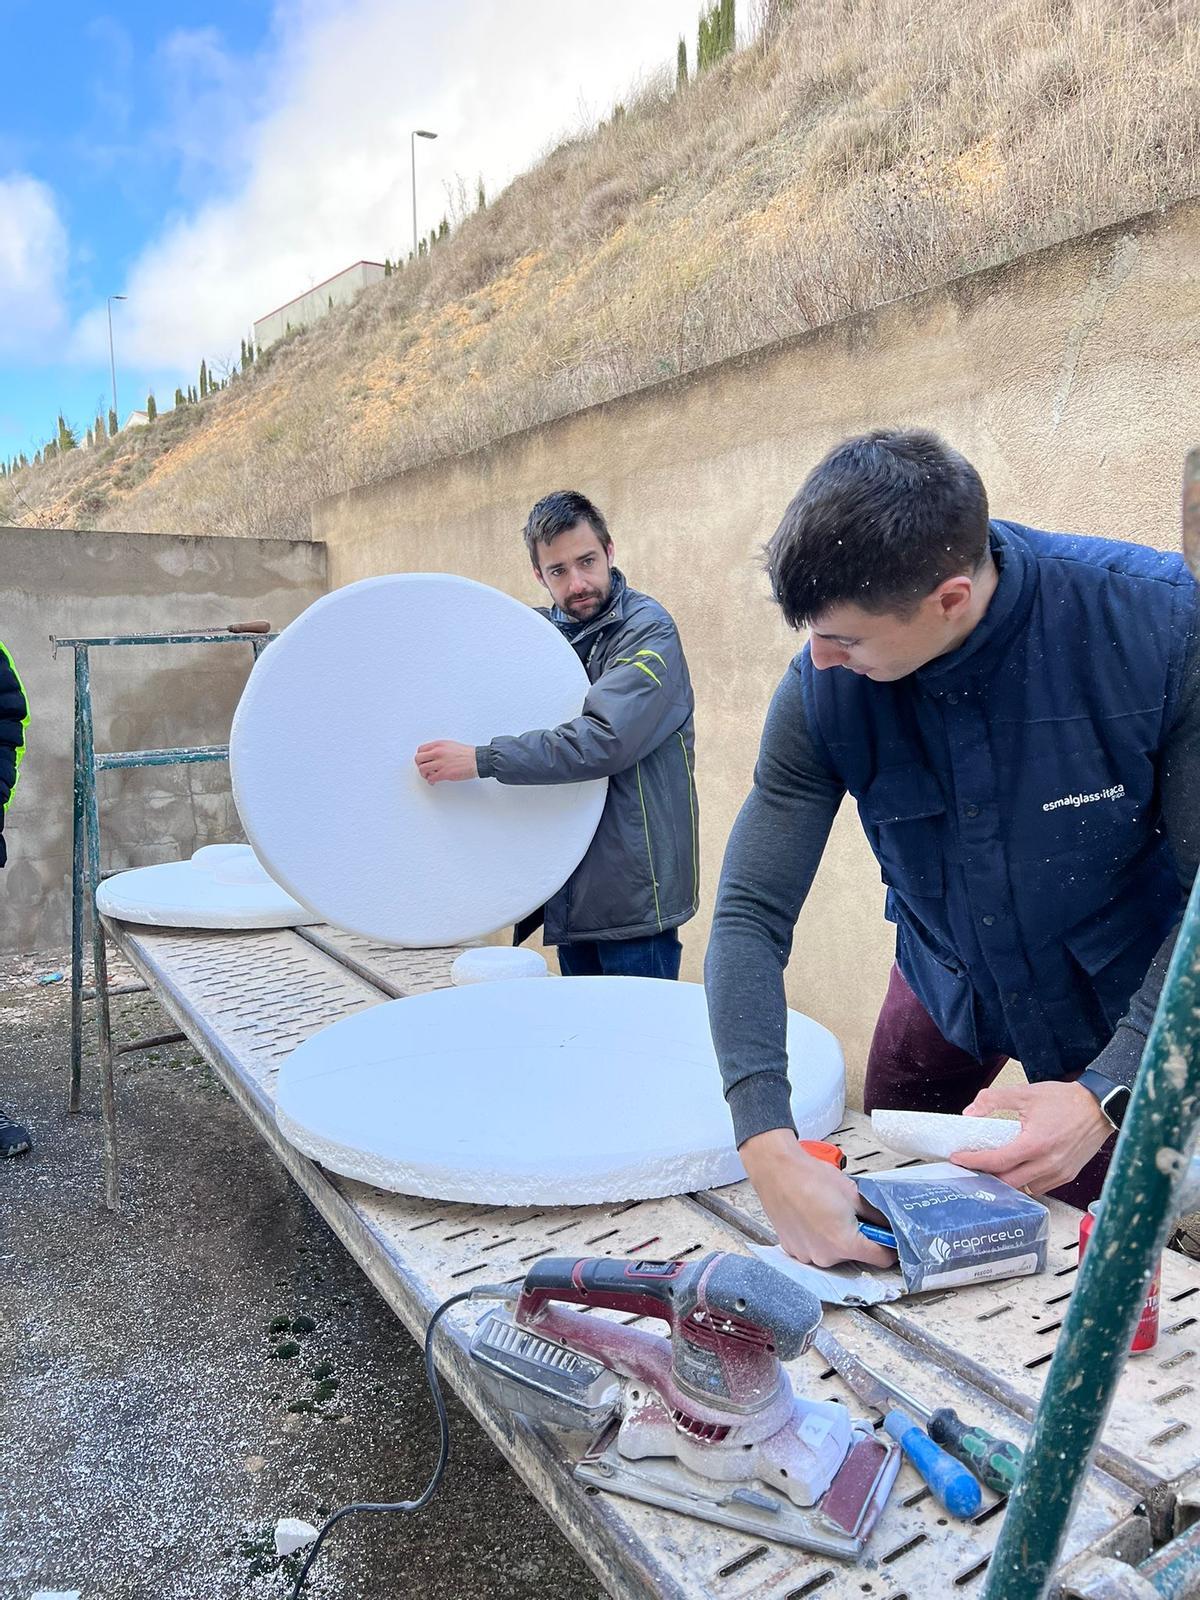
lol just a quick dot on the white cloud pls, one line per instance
(324, 177)
(33, 263)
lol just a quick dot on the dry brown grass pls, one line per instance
(859, 150)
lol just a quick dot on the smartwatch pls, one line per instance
(1113, 1097)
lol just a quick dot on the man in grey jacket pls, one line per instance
(620, 910)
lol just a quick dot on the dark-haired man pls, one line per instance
(620, 911)
(1017, 714)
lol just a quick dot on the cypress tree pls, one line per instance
(66, 434)
(112, 423)
(717, 34)
(480, 196)
(203, 380)
(88, 436)
(151, 408)
(681, 72)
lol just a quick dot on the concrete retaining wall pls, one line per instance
(1070, 377)
(77, 585)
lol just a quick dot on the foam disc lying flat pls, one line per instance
(491, 964)
(222, 886)
(322, 759)
(571, 1092)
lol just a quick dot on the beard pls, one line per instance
(584, 606)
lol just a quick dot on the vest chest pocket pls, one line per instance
(903, 813)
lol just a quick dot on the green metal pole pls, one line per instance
(77, 896)
(1137, 1209)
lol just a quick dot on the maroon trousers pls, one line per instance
(912, 1068)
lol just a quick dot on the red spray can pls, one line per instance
(1146, 1334)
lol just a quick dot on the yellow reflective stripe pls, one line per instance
(628, 661)
(654, 656)
(649, 852)
(687, 767)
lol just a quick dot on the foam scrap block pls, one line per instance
(490, 962)
(936, 1136)
(291, 1534)
(322, 749)
(574, 1092)
(221, 886)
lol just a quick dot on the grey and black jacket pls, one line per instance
(641, 873)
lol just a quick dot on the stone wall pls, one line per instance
(1070, 377)
(76, 585)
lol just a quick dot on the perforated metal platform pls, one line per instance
(247, 999)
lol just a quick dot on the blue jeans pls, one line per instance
(656, 956)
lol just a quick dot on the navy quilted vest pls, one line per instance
(1010, 793)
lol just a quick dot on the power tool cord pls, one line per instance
(490, 1291)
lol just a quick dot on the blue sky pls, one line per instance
(212, 161)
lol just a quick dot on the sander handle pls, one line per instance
(644, 1287)
(721, 1296)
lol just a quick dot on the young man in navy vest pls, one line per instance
(1017, 715)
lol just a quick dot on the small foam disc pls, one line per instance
(490, 962)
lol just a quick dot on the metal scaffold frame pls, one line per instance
(86, 874)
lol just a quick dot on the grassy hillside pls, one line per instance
(856, 151)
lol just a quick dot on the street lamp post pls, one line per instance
(112, 365)
(417, 133)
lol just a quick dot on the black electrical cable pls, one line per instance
(479, 1292)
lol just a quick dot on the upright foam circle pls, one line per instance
(514, 1093)
(322, 759)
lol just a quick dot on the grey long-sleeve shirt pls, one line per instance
(771, 860)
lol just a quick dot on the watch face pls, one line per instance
(1116, 1103)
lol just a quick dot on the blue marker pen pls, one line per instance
(877, 1235)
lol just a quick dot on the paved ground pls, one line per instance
(151, 1434)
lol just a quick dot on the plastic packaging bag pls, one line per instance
(954, 1226)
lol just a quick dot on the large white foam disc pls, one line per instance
(222, 886)
(572, 1092)
(322, 759)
